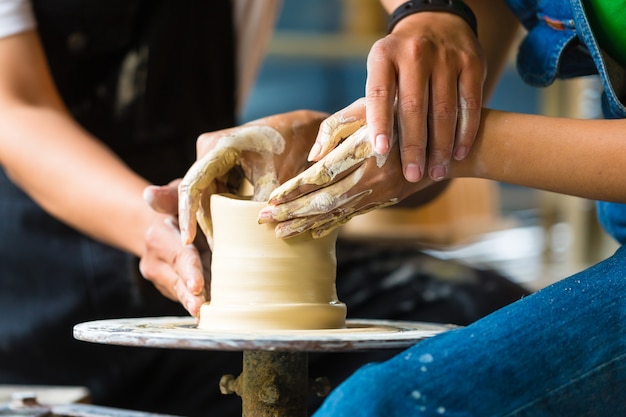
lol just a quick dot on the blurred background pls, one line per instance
(316, 60)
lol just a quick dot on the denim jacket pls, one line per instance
(561, 44)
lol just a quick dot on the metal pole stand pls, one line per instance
(273, 384)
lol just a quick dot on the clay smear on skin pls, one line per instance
(349, 153)
(336, 129)
(464, 116)
(326, 209)
(323, 211)
(260, 139)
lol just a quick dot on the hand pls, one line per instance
(351, 179)
(178, 271)
(268, 152)
(431, 70)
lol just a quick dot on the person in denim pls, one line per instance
(561, 351)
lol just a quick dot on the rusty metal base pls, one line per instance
(271, 384)
(274, 381)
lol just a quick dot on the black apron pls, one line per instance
(145, 76)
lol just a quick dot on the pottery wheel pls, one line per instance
(181, 333)
(274, 381)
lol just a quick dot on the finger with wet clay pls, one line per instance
(323, 210)
(336, 128)
(350, 153)
(218, 162)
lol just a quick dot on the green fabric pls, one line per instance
(608, 22)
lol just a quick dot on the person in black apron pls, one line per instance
(51, 276)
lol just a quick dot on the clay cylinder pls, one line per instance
(260, 282)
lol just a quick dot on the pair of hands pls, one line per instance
(268, 152)
(348, 178)
(428, 74)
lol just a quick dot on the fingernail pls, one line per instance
(315, 151)
(412, 173)
(460, 153)
(148, 194)
(195, 286)
(439, 172)
(381, 144)
(150, 197)
(265, 216)
(172, 223)
(193, 308)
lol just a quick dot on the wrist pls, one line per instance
(456, 7)
(476, 163)
(140, 217)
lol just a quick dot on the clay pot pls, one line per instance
(260, 282)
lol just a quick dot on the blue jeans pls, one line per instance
(558, 352)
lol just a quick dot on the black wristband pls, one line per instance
(456, 7)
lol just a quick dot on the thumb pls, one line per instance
(162, 199)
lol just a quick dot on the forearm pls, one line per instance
(425, 196)
(67, 171)
(72, 175)
(585, 158)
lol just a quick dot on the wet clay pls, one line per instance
(260, 282)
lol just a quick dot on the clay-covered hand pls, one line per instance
(180, 272)
(266, 152)
(431, 68)
(350, 179)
